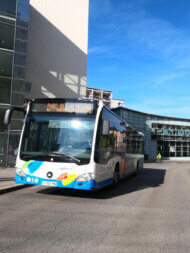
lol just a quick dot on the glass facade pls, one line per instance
(172, 140)
(14, 17)
(166, 135)
(5, 88)
(6, 33)
(8, 7)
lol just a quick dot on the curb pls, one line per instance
(7, 179)
(8, 189)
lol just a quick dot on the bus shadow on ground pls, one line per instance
(146, 179)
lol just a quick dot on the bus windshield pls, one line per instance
(70, 135)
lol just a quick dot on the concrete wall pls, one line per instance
(57, 48)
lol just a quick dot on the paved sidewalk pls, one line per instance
(7, 173)
(7, 182)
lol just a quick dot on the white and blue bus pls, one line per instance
(78, 144)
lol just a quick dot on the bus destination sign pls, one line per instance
(64, 107)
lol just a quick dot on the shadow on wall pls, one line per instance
(146, 179)
(56, 67)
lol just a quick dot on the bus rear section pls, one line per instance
(119, 148)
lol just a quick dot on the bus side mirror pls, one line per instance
(7, 117)
(9, 112)
(106, 127)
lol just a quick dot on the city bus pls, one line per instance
(75, 143)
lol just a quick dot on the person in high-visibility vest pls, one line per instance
(159, 157)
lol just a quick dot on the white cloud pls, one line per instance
(98, 49)
(100, 8)
(128, 21)
(103, 51)
(169, 43)
(167, 106)
(164, 78)
(126, 26)
(109, 69)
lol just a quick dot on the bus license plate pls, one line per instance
(46, 183)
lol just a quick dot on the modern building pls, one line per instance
(168, 135)
(117, 103)
(41, 56)
(104, 95)
(14, 16)
(57, 48)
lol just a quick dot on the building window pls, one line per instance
(28, 87)
(19, 72)
(16, 120)
(5, 88)
(6, 63)
(22, 22)
(22, 15)
(16, 124)
(24, 1)
(20, 46)
(13, 148)
(6, 36)
(3, 143)
(17, 115)
(20, 59)
(21, 33)
(8, 7)
(18, 86)
(2, 113)
(22, 11)
(3, 149)
(18, 99)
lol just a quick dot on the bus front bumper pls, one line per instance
(90, 185)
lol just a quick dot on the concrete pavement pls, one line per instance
(7, 182)
(147, 213)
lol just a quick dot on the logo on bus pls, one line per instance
(49, 174)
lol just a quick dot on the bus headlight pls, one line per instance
(20, 172)
(85, 177)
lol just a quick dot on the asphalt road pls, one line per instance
(148, 213)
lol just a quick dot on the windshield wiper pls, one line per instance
(54, 154)
(62, 153)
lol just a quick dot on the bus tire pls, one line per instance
(137, 169)
(116, 175)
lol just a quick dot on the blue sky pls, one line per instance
(140, 49)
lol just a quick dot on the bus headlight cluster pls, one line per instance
(85, 177)
(20, 172)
